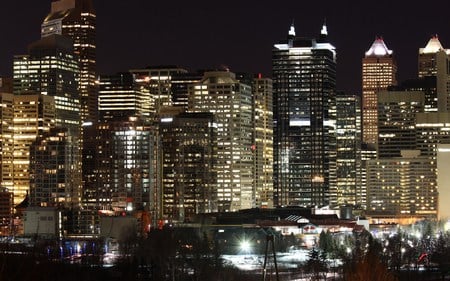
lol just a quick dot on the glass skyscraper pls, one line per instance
(304, 82)
(76, 19)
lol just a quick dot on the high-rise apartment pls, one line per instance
(379, 71)
(230, 101)
(77, 19)
(304, 86)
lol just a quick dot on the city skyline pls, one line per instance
(238, 37)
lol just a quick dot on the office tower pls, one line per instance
(347, 189)
(157, 80)
(189, 150)
(76, 19)
(402, 189)
(304, 82)
(379, 70)
(220, 93)
(6, 139)
(433, 61)
(425, 84)
(263, 141)
(180, 87)
(432, 129)
(51, 69)
(397, 121)
(33, 116)
(121, 96)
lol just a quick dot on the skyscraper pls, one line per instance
(6, 138)
(230, 101)
(433, 62)
(121, 96)
(304, 82)
(189, 148)
(397, 113)
(50, 181)
(379, 70)
(263, 140)
(347, 189)
(33, 116)
(51, 69)
(76, 19)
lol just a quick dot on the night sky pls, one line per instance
(238, 35)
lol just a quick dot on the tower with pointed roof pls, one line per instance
(433, 62)
(304, 84)
(379, 71)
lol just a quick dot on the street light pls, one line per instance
(245, 246)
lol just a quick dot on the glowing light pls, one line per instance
(245, 246)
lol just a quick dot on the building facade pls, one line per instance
(189, 160)
(76, 19)
(34, 115)
(304, 86)
(263, 140)
(402, 188)
(397, 121)
(6, 139)
(51, 69)
(347, 189)
(230, 101)
(379, 71)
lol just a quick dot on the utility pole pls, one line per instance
(270, 240)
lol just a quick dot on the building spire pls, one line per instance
(292, 29)
(324, 31)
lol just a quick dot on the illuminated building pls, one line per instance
(402, 188)
(230, 101)
(189, 156)
(120, 96)
(304, 86)
(51, 69)
(6, 211)
(263, 141)
(50, 181)
(432, 129)
(6, 138)
(397, 121)
(433, 139)
(443, 180)
(77, 20)
(433, 62)
(379, 71)
(33, 116)
(347, 189)
(119, 175)
(157, 82)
